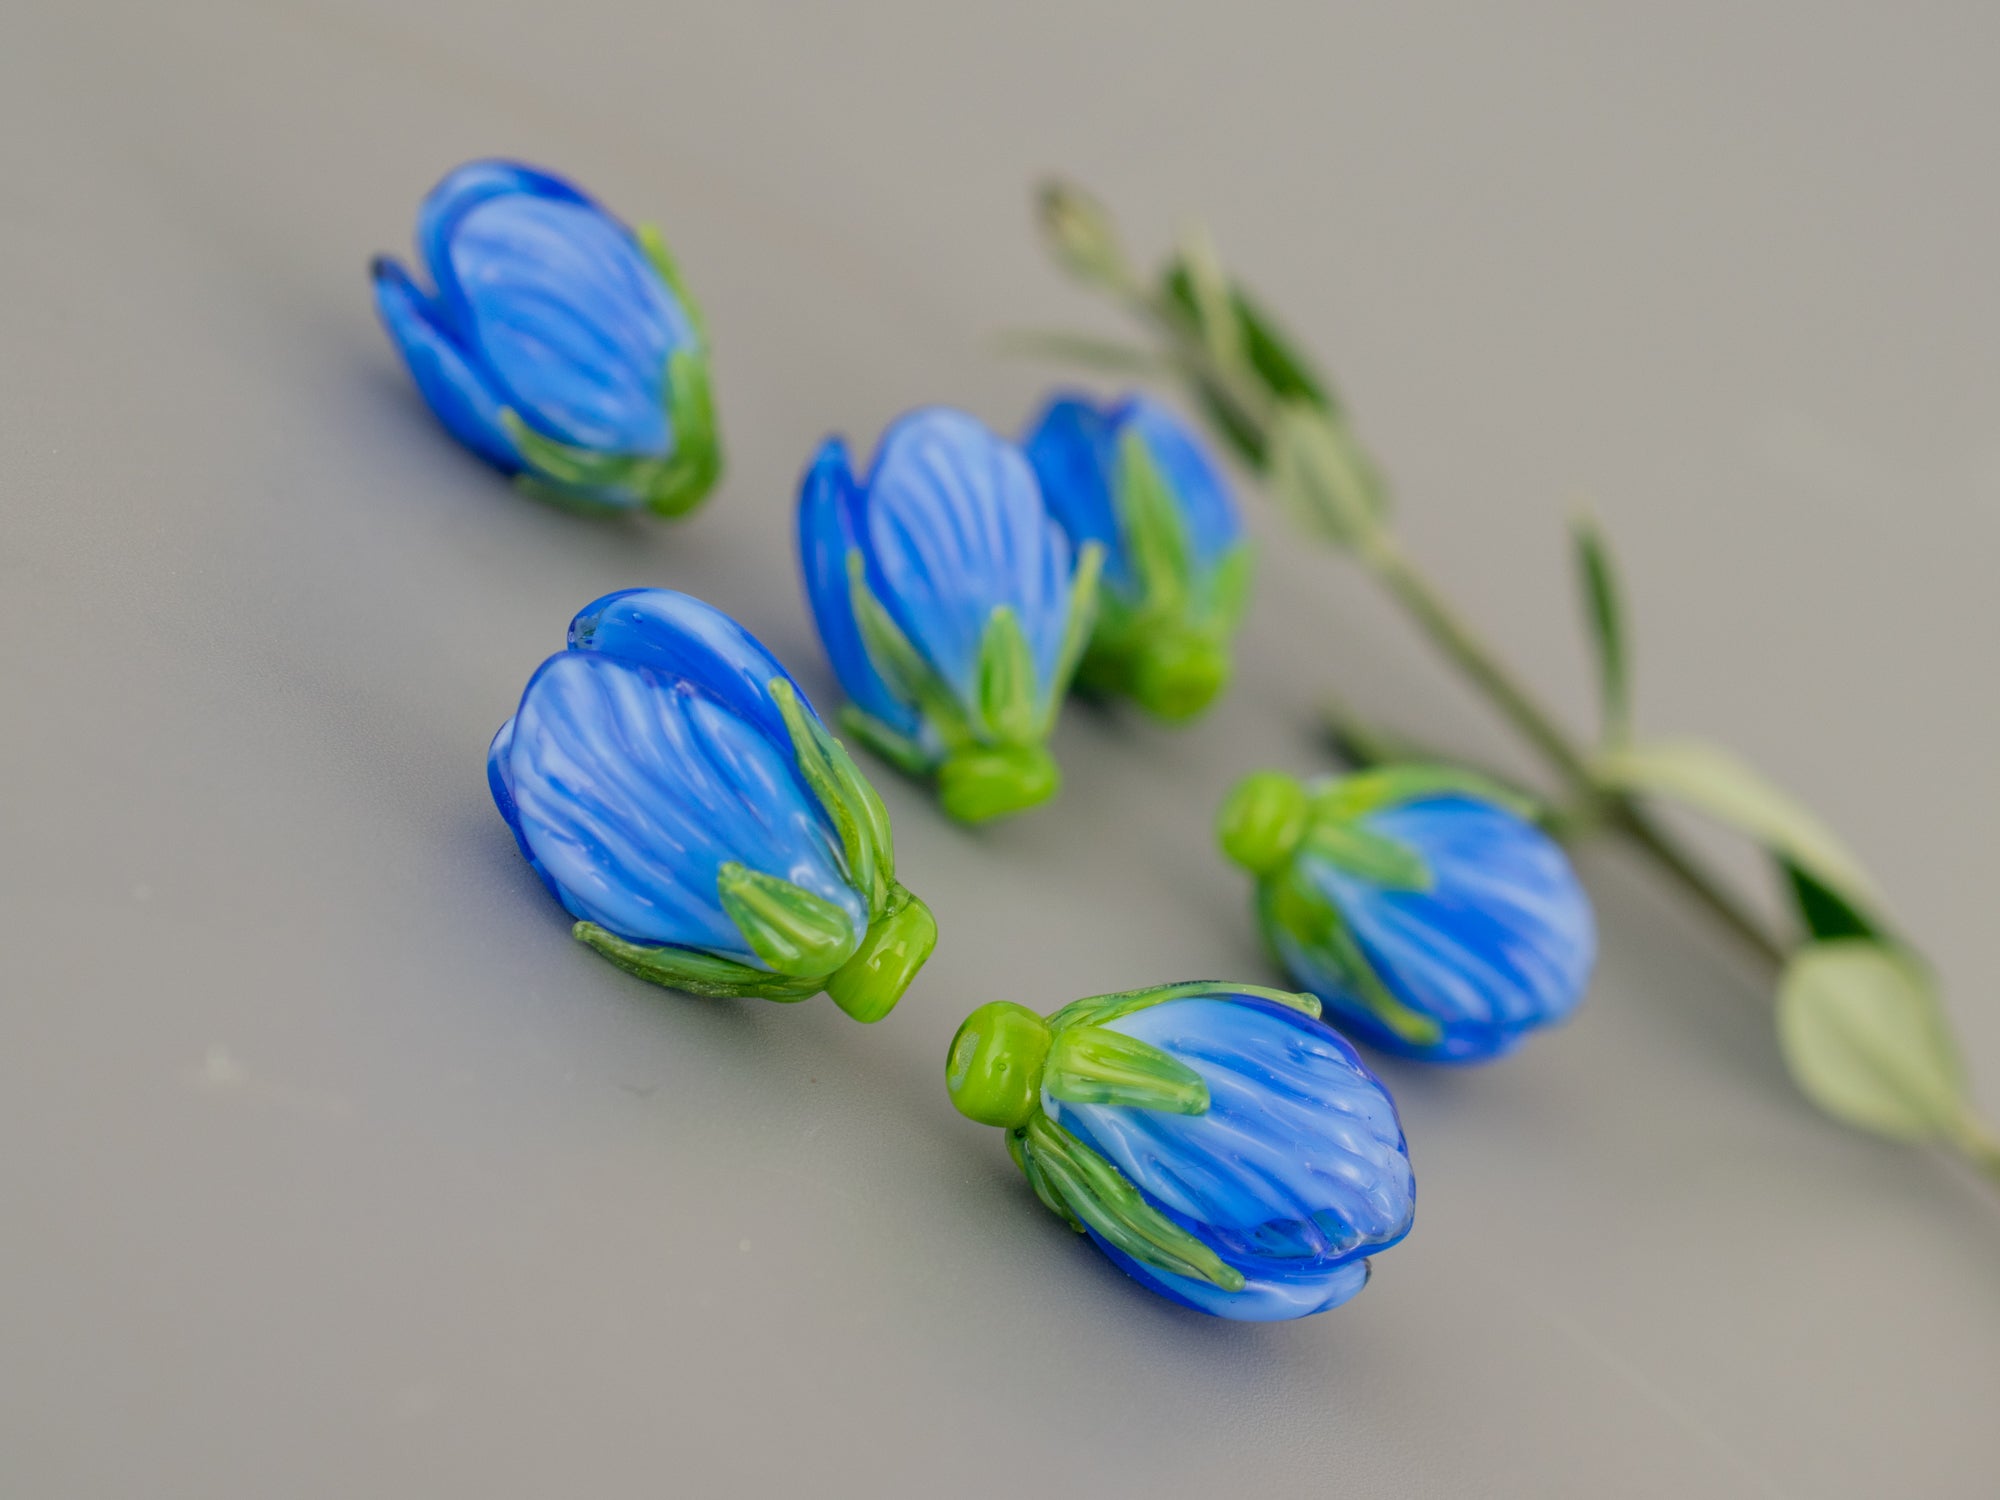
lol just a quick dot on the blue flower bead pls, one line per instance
(1218, 1143)
(676, 792)
(953, 608)
(558, 345)
(1130, 476)
(1433, 918)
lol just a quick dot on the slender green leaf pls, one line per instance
(695, 973)
(1605, 613)
(857, 812)
(1214, 307)
(1824, 912)
(1321, 479)
(1155, 535)
(1094, 1065)
(1105, 1199)
(1083, 597)
(1866, 1038)
(1713, 781)
(906, 670)
(1038, 1180)
(1111, 356)
(1271, 352)
(1081, 235)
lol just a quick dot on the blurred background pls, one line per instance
(333, 1167)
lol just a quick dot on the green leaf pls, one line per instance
(1213, 306)
(1321, 479)
(1866, 1038)
(1006, 679)
(1110, 356)
(1825, 913)
(1080, 234)
(1270, 351)
(1713, 781)
(1605, 612)
(1093, 1065)
(902, 752)
(796, 932)
(1104, 1198)
(692, 972)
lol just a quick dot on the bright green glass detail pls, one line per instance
(995, 761)
(1262, 820)
(994, 1069)
(1270, 820)
(1351, 797)
(1090, 1065)
(896, 945)
(670, 486)
(795, 932)
(1005, 1057)
(1165, 643)
(691, 972)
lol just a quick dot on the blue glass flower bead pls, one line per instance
(1421, 904)
(558, 345)
(953, 608)
(1177, 569)
(1223, 1147)
(676, 792)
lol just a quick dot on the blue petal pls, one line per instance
(1503, 942)
(1205, 503)
(1296, 1173)
(686, 639)
(632, 790)
(953, 527)
(449, 384)
(500, 781)
(827, 533)
(1075, 453)
(573, 320)
(462, 190)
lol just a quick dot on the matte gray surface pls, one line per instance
(333, 1168)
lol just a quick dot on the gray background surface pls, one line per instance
(331, 1167)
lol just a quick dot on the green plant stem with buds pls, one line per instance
(1859, 1018)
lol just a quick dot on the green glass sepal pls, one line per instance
(1381, 861)
(1094, 1065)
(994, 1069)
(1093, 1192)
(994, 761)
(692, 972)
(1364, 792)
(580, 479)
(799, 934)
(1096, 1010)
(1166, 642)
(850, 802)
(1051, 1199)
(654, 244)
(1314, 922)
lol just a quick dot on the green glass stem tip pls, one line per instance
(1177, 674)
(1263, 820)
(994, 1069)
(895, 946)
(983, 782)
